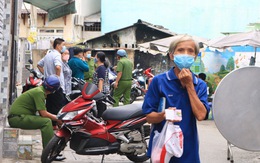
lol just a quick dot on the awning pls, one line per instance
(161, 46)
(55, 9)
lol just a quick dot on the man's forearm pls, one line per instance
(119, 75)
(58, 70)
(155, 117)
(40, 69)
(198, 109)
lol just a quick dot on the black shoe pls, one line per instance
(59, 158)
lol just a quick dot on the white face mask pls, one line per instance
(65, 57)
(88, 56)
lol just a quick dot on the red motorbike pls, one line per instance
(121, 129)
(34, 79)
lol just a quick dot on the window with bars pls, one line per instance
(92, 26)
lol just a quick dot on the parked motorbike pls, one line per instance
(35, 78)
(76, 87)
(121, 130)
(149, 76)
(111, 75)
(137, 74)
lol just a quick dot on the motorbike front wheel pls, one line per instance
(53, 149)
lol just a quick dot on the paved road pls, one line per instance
(213, 149)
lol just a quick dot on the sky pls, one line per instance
(202, 18)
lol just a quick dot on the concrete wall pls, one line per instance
(122, 37)
(88, 7)
(71, 33)
(87, 35)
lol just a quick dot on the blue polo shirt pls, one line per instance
(168, 85)
(78, 67)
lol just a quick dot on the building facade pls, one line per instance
(128, 38)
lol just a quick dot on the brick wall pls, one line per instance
(3, 54)
(5, 6)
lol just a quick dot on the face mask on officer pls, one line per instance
(183, 60)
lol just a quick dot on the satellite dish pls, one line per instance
(236, 108)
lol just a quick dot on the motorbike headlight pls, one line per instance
(66, 116)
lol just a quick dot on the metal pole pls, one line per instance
(12, 72)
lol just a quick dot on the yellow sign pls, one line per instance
(32, 38)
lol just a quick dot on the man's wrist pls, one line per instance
(190, 87)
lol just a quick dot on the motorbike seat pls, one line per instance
(123, 112)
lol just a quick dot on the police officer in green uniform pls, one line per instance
(124, 78)
(91, 65)
(23, 111)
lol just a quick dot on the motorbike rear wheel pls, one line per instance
(53, 149)
(139, 158)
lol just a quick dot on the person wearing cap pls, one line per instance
(91, 65)
(123, 81)
(183, 90)
(77, 64)
(23, 110)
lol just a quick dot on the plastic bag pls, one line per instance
(168, 143)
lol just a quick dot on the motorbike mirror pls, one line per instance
(138, 64)
(27, 67)
(30, 61)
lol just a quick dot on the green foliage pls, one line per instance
(222, 74)
(222, 68)
(230, 64)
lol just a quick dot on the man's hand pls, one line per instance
(171, 108)
(185, 77)
(59, 122)
(116, 85)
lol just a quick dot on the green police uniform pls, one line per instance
(23, 113)
(125, 66)
(89, 75)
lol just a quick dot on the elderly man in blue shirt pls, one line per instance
(183, 90)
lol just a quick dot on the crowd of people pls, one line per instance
(37, 108)
(180, 86)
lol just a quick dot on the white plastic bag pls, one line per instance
(158, 142)
(168, 143)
